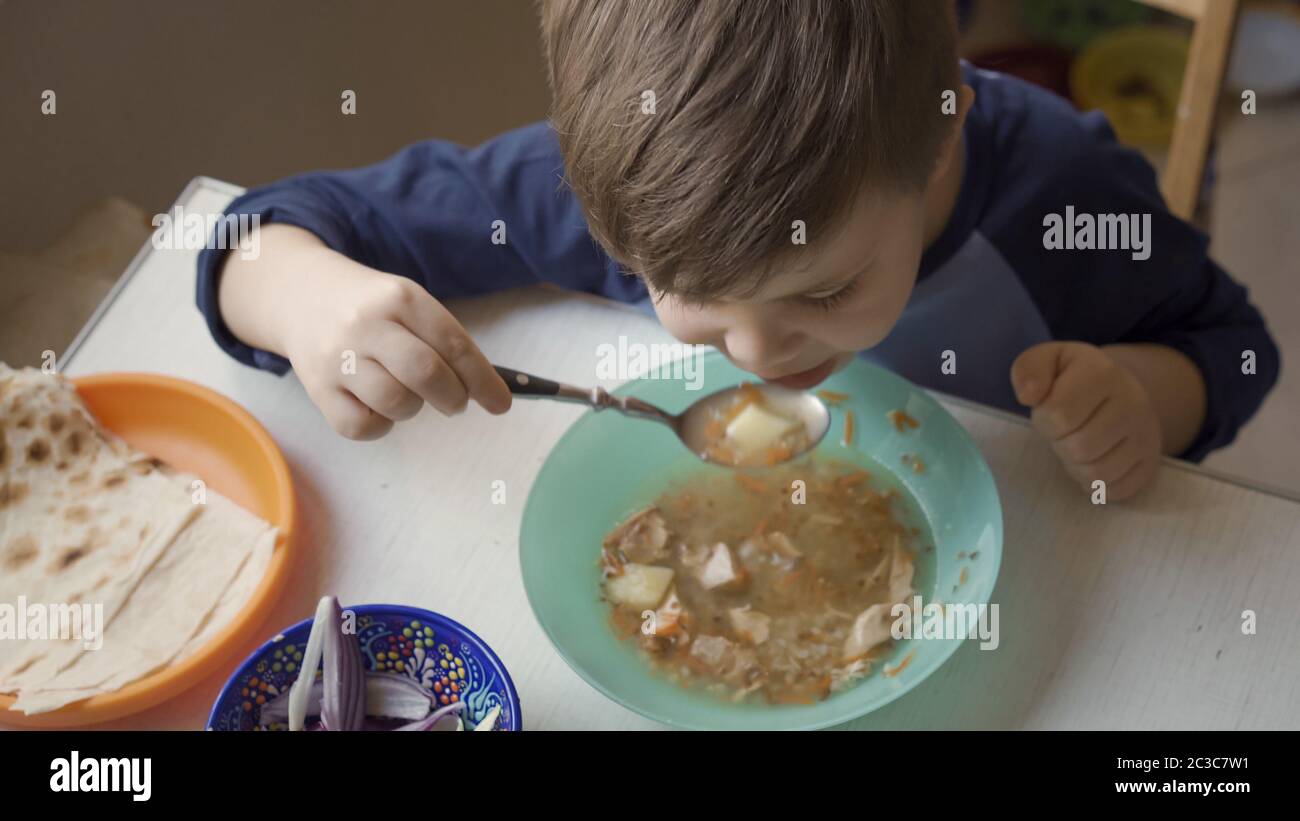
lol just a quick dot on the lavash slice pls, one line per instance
(78, 520)
(165, 612)
(236, 595)
(178, 572)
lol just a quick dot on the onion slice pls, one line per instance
(388, 695)
(428, 722)
(301, 688)
(489, 721)
(344, 704)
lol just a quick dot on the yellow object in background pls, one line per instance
(1134, 75)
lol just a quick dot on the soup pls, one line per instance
(771, 587)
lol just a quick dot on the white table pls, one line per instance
(1115, 616)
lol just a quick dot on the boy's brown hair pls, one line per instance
(764, 112)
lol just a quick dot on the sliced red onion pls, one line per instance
(489, 721)
(393, 695)
(388, 695)
(302, 685)
(276, 711)
(343, 706)
(349, 697)
(430, 721)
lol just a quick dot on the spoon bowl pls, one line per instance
(693, 423)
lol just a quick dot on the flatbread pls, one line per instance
(236, 595)
(86, 518)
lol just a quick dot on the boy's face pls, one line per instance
(837, 297)
(840, 295)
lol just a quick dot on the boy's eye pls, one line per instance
(826, 303)
(832, 301)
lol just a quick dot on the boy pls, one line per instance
(795, 183)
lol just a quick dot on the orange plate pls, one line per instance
(202, 432)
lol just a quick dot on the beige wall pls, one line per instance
(154, 92)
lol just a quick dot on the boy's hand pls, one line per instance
(407, 348)
(1094, 411)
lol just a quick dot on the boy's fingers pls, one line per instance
(420, 368)
(381, 392)
(484, 384)
(1109, 467)
(1075, 396)
(1138, 477)
(350, 417)
(1081, 386)
(429, 320)
(1034, 371)
(1106, 428)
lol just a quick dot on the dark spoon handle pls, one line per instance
(525, 384)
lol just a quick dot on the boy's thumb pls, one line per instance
(1034, 371)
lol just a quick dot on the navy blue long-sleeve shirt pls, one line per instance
(988, 288)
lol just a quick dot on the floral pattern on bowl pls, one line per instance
(440, 654)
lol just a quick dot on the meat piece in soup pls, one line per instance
(756, 596)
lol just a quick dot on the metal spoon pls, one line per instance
(691, 424)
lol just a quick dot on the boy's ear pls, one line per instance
(952, 143)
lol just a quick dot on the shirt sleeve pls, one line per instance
(460, 221)
(1177, 296)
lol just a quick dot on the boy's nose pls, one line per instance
(761, 349)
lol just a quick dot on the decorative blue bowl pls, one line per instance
(439, 653)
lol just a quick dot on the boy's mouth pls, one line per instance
(803, 380)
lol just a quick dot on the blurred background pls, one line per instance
(151, 93)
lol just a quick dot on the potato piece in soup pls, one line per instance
(639, 586)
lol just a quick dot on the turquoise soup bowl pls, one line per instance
(607, 465)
